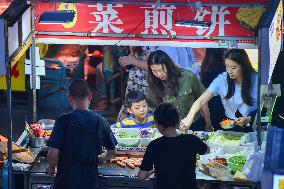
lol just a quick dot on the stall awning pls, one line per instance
(174, 1)
(231, 24)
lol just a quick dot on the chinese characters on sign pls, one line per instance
(106, 18)
(159, 20)
(217, 15)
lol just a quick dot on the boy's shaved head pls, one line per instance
(166, 115)
(79, 89)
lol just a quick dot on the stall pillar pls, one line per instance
(33, 62)
(9, 104)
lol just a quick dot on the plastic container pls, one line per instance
(218, 171)
(145, 141)
(131, 137)
(226, 137)
(125, 132)
(37, 142)
(47, 124)
(230, 149)
(128, 142)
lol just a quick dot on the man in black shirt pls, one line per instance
(76, 142)
(173, 155)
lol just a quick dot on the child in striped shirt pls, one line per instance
(137, 106)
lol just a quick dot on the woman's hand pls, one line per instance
(126, 60)
(209, 128)
(185, 124)
(242, 121)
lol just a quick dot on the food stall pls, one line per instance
(225, 164)
(225, 24)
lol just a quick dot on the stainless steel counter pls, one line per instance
(110, 176)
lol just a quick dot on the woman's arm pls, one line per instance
(197, 105)
(206, 115)
(131, 60)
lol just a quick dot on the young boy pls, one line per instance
(76, 142)
(173, 155)
(137, 106)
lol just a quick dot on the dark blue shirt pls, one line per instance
(79, 137)
(174, 159)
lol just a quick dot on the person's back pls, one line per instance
(174, 160)
(76, 142)
(78, 161)
(173, 155)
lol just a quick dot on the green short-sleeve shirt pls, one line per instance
(190, 89)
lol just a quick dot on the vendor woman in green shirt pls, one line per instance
(168, 83)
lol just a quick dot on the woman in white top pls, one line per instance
(237, 88)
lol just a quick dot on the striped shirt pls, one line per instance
(132, 123)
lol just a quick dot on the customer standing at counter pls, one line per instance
(168, 83)
(237, 88)
(76, 142)
(173, 155)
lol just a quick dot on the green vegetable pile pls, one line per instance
(124, 134)
(134, 136)
(238, 160)
(236, 163)
(223, 138)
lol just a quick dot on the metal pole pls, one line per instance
(33, 61)
(9, 105)
(258, 128)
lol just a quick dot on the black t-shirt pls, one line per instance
(174, 160)
(79, 137)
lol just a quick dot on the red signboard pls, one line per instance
(143, 20)
(4, 4)
(203, 1)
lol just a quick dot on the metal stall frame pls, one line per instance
(10, 17)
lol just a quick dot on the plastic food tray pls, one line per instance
(219, 171)
(133, 144)
(214, 142)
